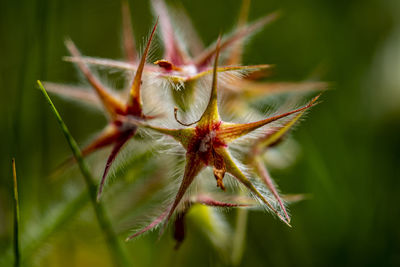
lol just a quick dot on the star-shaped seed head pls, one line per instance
(207, 143)
(117, 132)
(180, 70)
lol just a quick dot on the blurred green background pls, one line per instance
(350, 144)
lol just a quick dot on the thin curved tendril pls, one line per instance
(179, 121)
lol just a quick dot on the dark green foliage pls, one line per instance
(350, 145)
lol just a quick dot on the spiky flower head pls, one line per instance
(208, 142)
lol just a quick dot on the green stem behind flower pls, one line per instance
(238, 243)
(16, 217)
(118, 254)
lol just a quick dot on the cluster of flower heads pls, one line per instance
(190, 81)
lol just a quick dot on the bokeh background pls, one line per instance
(350, 144)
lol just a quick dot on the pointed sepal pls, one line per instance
(203, 59)
(135, 102)
(127, 33)
(113, 105)
(231, 131)
(211, 114)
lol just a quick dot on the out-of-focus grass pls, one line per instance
(349, 160)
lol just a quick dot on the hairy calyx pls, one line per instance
(205, 143)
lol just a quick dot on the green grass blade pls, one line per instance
(118, 254)
(63, 214)
(53, 221)
(16, 217)
(48, 226)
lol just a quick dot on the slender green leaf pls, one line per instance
(118, 254)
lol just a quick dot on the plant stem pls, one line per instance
(16, 217)
(239, 237)
(118, 254)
